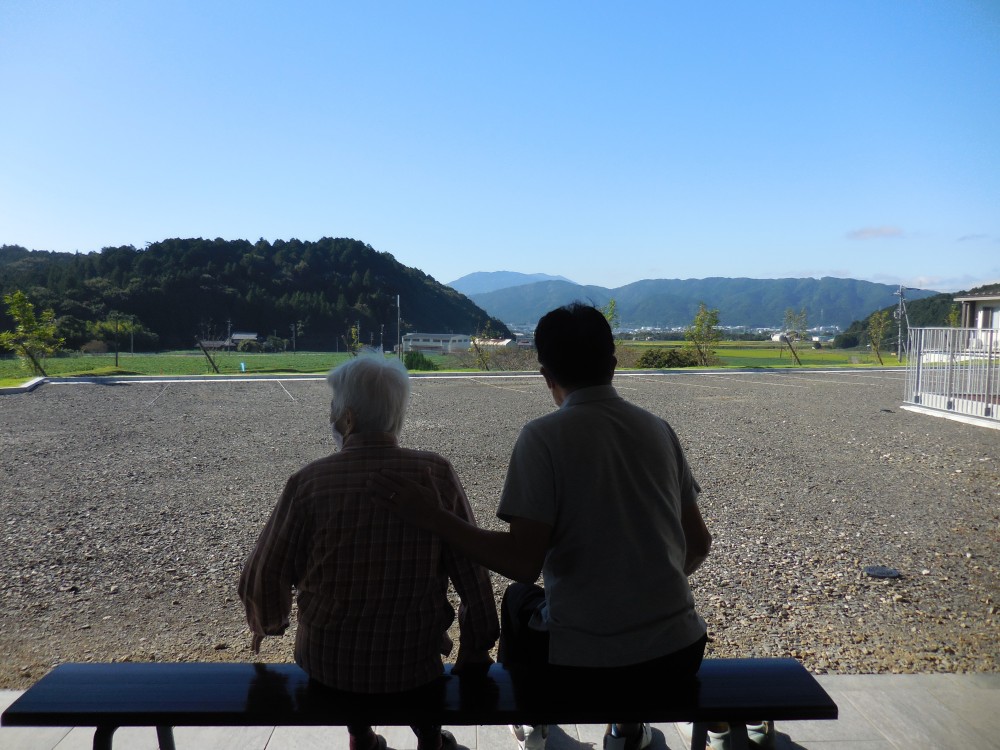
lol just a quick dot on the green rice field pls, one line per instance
(730, 354)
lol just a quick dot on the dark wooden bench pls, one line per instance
(165, 695)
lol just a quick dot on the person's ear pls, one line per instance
(549, 382)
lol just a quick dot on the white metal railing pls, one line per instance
(955, 370)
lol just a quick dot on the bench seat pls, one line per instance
(164, 695)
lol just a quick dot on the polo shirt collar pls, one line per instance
(588, 395)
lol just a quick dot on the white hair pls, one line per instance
(375, 388)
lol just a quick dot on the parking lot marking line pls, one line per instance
(162, 391)
(486, 381)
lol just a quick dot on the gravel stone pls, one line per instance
(127, 511)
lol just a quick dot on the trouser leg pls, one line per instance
(362, 737)
(519, 643)
(428, 736)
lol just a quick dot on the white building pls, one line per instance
(496, 343)
(436, 343)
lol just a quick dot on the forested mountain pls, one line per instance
(181, 290)
(673, 302)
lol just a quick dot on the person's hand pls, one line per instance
(255, 643)
(414, 502)
(469, 661)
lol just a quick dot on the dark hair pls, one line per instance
(576, 346)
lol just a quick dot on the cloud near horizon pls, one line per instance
(947, 284)
(876, 233)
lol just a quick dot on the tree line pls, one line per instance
(173, 293)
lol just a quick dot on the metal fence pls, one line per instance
(955, 370)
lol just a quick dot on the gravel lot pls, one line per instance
(127, 511)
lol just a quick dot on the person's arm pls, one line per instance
(267, 578)
(697, 538)
(517, 553)
(479, 626)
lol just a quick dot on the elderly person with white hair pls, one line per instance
(373, 609)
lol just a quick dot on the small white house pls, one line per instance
(496, 343)
(230, 343)
(239, 336)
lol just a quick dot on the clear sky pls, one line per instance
(604, 142)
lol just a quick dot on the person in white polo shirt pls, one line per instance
(601, 501)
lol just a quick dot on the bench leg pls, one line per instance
(102, 737)
(699, 736)
(738, 735)
(165, 738)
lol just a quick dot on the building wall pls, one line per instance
(438, 343)
(980, 312)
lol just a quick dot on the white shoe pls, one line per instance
(714, 740)
(720, 740)
(759, 736)
(532, 739)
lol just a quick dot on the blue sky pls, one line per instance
(605, 142)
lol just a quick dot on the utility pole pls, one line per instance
(900, 316)
(399, 334)
(292, 326)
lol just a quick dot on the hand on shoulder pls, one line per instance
(414, 502)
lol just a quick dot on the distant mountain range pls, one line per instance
(179, 290)
(490, 281)
(666, 303)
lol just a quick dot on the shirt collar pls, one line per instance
(370, 440)
(589, 394)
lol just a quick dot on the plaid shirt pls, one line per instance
(372, 590)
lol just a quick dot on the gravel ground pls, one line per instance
(127, 511)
